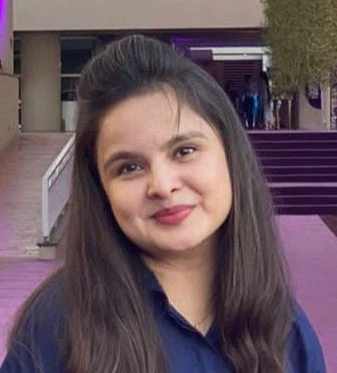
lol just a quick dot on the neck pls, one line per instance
(187, 280)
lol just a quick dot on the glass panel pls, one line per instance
(68, 88)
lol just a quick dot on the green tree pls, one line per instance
(302, 35)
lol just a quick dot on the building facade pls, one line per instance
(55, 38)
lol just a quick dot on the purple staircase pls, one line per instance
(301, 169)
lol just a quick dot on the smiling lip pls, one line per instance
(174, 215)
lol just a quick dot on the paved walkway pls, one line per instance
(311, 249)
(17, 280)
(22, 166)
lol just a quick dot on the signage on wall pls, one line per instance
(313, 94)
(334, 107)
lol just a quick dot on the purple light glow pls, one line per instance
(233, 40)
(3, 26)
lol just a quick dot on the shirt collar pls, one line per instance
(156, 292)
(161, 305)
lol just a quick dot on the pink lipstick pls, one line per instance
(173, 216)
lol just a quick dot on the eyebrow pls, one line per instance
(122, 155)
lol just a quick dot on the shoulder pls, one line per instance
(36, 345)
(304, 349)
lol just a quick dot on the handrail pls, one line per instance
(56, 188)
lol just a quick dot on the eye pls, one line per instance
(128, 168)
(185, 151)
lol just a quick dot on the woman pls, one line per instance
(250, 102)
(172, 261)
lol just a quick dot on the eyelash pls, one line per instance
(122, 170)
(178, 152)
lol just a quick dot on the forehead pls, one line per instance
(152, 115)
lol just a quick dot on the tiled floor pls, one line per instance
(17, 280)
(311, 249)
(310, 246)
(22, 165)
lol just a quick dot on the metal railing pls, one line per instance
(56, 188)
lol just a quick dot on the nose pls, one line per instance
(163, 180)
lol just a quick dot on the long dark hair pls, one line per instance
(108, 317)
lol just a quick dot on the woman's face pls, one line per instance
(167, 181)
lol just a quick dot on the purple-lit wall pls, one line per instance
(6, 33)
(9, 84)
(3, 27)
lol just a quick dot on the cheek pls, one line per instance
(224, 182)
(213, 176)
(124, 202)
(215, 183)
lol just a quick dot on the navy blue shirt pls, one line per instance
(186, 349)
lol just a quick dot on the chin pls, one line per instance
(177, 247)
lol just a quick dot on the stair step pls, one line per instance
(292, 135)
(300, 170)
(303, 191)
(294, 153)
(295, 145)
(306, 210)
(299, 161)
(302, 178)
(305, 200)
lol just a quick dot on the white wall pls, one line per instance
(55, 15)
(9, 88)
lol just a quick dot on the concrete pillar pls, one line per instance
(41, 82)
(326, 107)
(6, 36)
